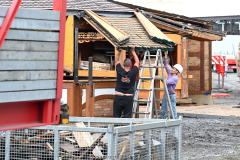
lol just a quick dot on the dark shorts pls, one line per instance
(122, 103)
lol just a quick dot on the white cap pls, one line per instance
(178, 67)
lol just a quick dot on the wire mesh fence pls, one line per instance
(96, 139)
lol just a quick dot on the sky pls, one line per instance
(192, 8)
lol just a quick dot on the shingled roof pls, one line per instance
(95, 5)
(131, 26)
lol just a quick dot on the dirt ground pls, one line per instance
(214, 139)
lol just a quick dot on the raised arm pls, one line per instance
(135, 57)
(172, 80)
(168, 69)
(117, 56)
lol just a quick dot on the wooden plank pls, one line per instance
(33, 24)
(33, 14)
(194, 54)
(27, 95)
(183, 100)
(202, 77)
(68, 147)
(28, 56)
(74, 100)
(28, 65)
(89, 140)
(198, 92)
(27, 85)
(29, 46)
(67, 86)
(184, 75)
(27, 75)
(77, 100)
(103, 85)
(32, 35)
(106, 74)
(194, 68)
(198, 35)
(157, 92)
(179, 54)
(90, 109)
(210, 66)
(95, 143)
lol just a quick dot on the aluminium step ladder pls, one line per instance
(151, 108)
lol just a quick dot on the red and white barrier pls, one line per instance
(219, 61)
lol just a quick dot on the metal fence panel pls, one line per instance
(90, 140)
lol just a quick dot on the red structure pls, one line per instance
(18, 115)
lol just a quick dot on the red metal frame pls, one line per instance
(8, 20)
(220, 95)
(19, 115)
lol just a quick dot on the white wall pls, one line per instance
(97, 93)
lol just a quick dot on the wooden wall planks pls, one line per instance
(28, 65)
(28, 56)
(7, 86)
(33, 14)
(32, 24)
(27, 75)
(32, 35)
(9, 45)
(27, 95)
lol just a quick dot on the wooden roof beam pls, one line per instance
(197, 35)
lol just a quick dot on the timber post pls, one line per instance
(90, 92)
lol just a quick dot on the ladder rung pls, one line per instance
(161, 89)
(142, 112)
(146, 78)
(159, 78)
(142, 100)
(153, 55)
(160, 99)
(142, 66)
(141, 89)
(149, 78)
(166, 111)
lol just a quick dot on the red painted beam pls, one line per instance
(220, 95)
(60, 5)
(8, 20)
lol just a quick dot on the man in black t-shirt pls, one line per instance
(123, 100)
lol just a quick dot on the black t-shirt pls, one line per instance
(126, 80)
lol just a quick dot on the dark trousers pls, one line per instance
(122, 103)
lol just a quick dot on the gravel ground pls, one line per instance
(214, 139)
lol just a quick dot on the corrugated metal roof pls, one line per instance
(166, 14)
(182, 25)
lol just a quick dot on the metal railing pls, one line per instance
(96, 138)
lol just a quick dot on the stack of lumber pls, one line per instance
(96, 66)
(39, 144)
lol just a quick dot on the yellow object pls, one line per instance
(69, 44)
(65, 121)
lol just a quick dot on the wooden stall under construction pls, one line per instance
(192, 50)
